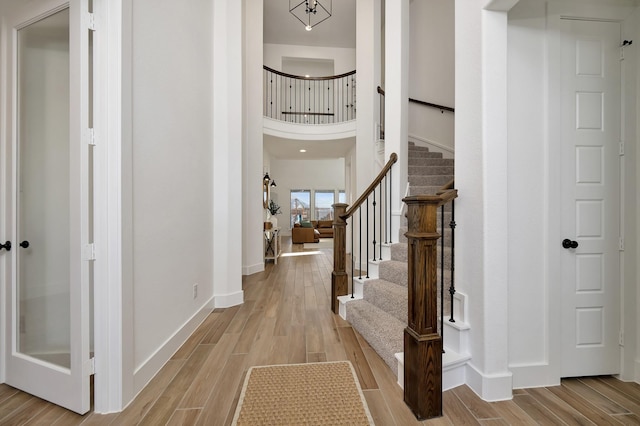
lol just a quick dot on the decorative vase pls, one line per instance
(274, 221)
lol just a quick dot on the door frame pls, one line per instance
(113, 313)
(554, 233)
(74, 385)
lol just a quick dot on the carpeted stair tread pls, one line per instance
(399, 251)
(426, 161)
(431, 170)
(425, 190)
(423, 154)
(391, 298)
(394, 271)
(430, 162)
(423, 180)
(382, 331)
(431, 180)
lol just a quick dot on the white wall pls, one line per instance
(481, 178)
(252, 254)
(632, 130)
(528, 338)
(303, 174)
(431, 73)
(344, 59)
(171, 182)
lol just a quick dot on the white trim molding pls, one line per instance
(306, 132)
(490, 387)
(227, 300)
(152, 365)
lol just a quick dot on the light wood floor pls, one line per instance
(286, 319)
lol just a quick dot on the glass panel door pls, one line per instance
(46, 351)
(43, 190)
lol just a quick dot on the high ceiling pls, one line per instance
(281, 27)
(289, 149)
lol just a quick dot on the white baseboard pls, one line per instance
(494, 387)
(227, 300)
(150, 367)
(534, 376)
(253, 269)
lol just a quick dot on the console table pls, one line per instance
(272, 245)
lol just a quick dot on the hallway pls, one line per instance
(286, 319)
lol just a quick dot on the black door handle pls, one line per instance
(24, 244)
(6, 246)
(567, 243)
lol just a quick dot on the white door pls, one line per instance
(590, 161)
(47, 211)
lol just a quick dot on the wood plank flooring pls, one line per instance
(286, 319)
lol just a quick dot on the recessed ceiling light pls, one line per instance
(303, 150)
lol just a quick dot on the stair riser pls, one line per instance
(394, 272)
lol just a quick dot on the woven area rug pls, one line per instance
(324, 243)
(325, 393)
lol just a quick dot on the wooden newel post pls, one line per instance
(339, 277)
(422, 344)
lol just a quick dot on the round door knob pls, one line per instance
(6, 246)
(24, 244)
(567, 243)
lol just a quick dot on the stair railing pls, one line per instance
(381, 121)
(422, 343)
(309, 100)
(375, 205)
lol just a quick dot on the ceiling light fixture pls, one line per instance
(303, 150)
(310, 12)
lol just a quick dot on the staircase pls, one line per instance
(378, 307)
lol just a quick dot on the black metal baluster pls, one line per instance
(390, 205)
(452, 225)
(360, 248)
(381, 222)
(352, 265)
(374, 225)
(367, 239)
(386, 217)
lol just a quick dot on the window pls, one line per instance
(323, 205)
(300, 205)
(342, 196)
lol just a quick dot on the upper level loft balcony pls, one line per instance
(311, 108)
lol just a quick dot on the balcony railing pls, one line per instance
(309, 100)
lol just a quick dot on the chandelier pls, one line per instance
(310, 12)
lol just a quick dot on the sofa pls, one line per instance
(300, 234)
(324, 227)
(311, 232)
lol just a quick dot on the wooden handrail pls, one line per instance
(417, 101)
(392, 159)
(429, 104)
(302, 77)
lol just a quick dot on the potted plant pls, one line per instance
(274, 209)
